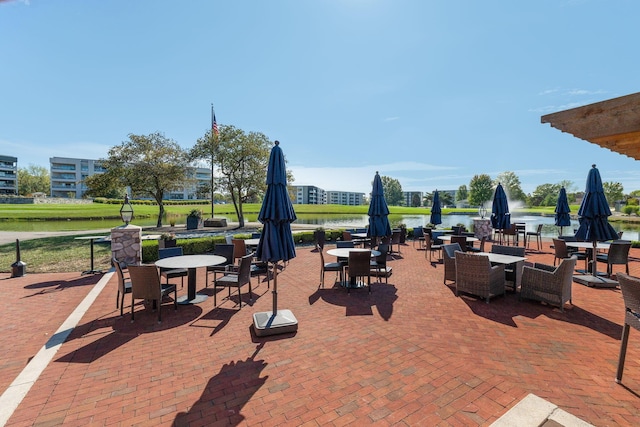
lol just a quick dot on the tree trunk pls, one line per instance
(240, 215)
(160, 214)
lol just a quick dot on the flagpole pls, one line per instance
(213, 134)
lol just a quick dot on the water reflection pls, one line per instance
(631, 231)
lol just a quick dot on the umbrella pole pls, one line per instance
(275, 288)
(594, 259)
(274, 322)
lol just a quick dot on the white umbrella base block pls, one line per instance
(595, 281)
(265, 323)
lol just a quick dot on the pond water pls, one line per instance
(631, 231)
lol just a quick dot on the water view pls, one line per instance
(631, 231)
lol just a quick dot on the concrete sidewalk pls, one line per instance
(410, 353)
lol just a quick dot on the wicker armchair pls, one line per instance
(548, 283)
(630, 287)
(449, 257)
(476, 276)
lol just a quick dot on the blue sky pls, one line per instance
(427, 92)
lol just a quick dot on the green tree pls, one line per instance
(415, 200)
(150, 165)
(33, 179)
(462, 193)
(445, 198)
(427, 199)
(512, 186)
(242, 160)
(392, 191)
(613, 191)
(545, 195)
(480, 189)
(104, 185)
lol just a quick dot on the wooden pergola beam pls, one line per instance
(613, 124)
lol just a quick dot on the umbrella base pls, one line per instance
(595, 281)
(265, 323)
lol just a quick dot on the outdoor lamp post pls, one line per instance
(126, 211)
(482, 211)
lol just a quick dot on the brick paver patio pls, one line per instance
(411, 353)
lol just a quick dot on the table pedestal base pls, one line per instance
(184, 300)
(265, 323)
(352, 285)
(91, 272)
(595, 281)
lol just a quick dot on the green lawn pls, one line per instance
(105, 211)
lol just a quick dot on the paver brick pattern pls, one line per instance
(410, 353)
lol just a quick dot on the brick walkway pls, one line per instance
(411, 353)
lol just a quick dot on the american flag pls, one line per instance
(214, 125)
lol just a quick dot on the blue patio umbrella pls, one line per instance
(500, 216)
(378, 211)
(276, 241)
(594, 213)
(562, 217)
(436, 212)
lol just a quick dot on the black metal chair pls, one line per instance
(618, 254)
(170, 273)
(535, 235)
(359, 266)
(379, 264)
(124, 285)
(226, 251)
(235, 279)
(328, 266)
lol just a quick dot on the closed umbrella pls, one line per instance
(276, 242)
(378, 211)
(562, 217)
(500, 216)
(593, 217)
(436, 212)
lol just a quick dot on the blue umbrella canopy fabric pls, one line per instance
(562, 217)
(594, 211)
(500, 216)
(436, 212)
(378, 211)
(276, 213)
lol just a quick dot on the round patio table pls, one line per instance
(344, 253)
(191, 263)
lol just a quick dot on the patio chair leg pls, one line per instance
(623, 352)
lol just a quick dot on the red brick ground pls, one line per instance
(411, 353)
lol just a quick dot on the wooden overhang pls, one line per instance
(612, 124)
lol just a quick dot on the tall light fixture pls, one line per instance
(126, 211)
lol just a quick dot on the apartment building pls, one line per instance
(68, 175)
(8, 175)
(345, 198)
(409, 195)
(310, 195)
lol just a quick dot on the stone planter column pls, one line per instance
(126, 244)
(482, 228)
